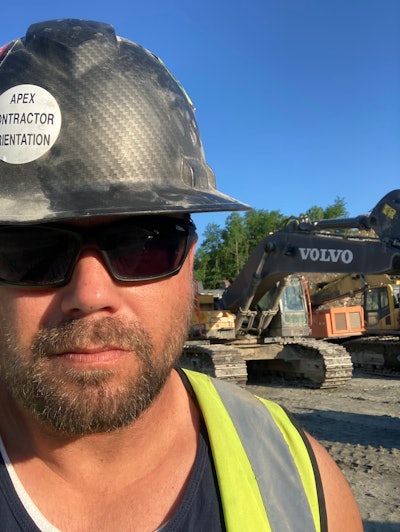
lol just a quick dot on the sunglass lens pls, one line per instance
(35, 256)
(146, 252)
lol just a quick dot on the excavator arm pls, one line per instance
(347, 285)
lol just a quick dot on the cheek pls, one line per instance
(168, 306)
(21, 314)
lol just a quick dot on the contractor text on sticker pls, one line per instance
(30, 121)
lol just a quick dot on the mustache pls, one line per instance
(79, 335)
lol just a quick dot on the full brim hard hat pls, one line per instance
(92, 125)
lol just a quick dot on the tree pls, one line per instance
(235, 247)
(207, 262)
(260, 222)
(223, 252)
(315, 213)
(336, 210)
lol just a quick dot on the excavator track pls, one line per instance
(216, 360)
(376, 354)
(320, 364)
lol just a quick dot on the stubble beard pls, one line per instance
(80, 402)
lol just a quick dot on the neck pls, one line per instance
(149, 436)
(133, 478)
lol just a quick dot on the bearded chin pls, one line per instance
(78, 402)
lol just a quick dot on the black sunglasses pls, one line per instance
(141, 248)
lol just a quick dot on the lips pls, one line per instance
(93, 355)
(101, 341)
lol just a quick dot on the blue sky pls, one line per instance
(298, 101)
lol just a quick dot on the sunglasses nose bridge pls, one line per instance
(88, 241)
(90, 251)
(84, 241)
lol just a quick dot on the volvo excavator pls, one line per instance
(261, 322)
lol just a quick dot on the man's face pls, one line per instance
(91, 356)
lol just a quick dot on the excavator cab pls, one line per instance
(381, 308)
(291, 318)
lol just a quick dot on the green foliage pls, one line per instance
(206, 262)
(315, 213)
(336, 210)
(224, 251)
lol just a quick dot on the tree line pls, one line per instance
(224, 250)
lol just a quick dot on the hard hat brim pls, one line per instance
(119, 201)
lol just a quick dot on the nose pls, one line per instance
(91, 288)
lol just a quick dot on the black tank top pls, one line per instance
(200, 509)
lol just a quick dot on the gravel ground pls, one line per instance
(359, 424)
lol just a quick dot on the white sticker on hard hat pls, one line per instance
(30, 121)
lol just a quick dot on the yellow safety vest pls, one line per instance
(265, 468)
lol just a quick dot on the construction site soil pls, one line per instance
(359, 424)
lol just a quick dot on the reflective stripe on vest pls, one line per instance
(265, 474)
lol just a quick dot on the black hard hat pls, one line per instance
(93, 124)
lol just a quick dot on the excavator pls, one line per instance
(260, 323)
(376, 344)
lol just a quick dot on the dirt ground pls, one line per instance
(359, 424)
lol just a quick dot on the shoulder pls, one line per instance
(341, 507)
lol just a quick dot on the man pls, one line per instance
(100, 165)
